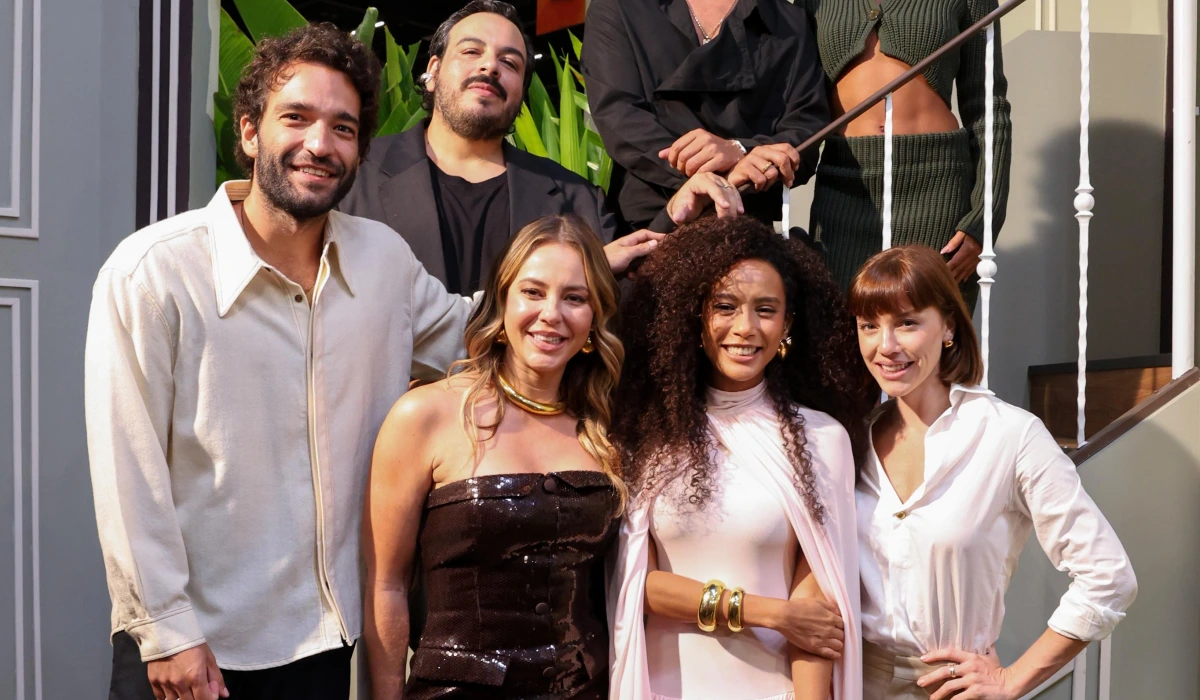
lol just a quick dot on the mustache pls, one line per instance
(290, 160)
(489, 81)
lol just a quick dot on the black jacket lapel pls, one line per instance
(407, 196)
(531, 194)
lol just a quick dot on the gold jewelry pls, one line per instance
(769, 166)
(783, 347)
(948, 344)
(953, 671)
(588, 346)
(706, 614)
(736, 597)
(502, 337)
(526, 403)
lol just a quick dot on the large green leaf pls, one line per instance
(571, 154)
(393, 68)
(235, 52)
(264, 18)
(407, 87)
(395, 122)
(539, 100)
(366, 28)
(526, 130)
(415, 119)
(549, 131)
(576, 45)
(226, 136)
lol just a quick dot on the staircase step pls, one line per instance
(1113, 387)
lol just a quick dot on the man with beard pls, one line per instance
(452, 187)
(240, 359)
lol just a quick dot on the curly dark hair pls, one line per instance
(322, 44)
(661, 426)
(441, 40)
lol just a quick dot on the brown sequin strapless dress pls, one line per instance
(513, 569)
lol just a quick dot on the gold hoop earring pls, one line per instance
(588, 346)
(783, 347)
(501, 337)
(948, 344)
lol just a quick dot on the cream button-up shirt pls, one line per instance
(231, 422)
(934, 568)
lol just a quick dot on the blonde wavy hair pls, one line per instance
(589, 381)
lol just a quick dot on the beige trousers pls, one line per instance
(890, 677)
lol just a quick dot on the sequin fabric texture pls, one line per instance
(513, 570)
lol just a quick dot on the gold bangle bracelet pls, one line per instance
(710, 599)
(736, 597)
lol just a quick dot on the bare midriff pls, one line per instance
(916, 107)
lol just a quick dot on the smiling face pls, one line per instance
(744, 319)
(305, 147)
(547, 312)
(479, 83)
(903, 351)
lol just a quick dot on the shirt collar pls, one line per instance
(234, 261)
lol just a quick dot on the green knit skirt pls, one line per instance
(932, 178)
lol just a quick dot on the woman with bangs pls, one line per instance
(736, 574)
(504, 475)
(954, 480)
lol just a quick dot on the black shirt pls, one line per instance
(650, 81)
(473, 218)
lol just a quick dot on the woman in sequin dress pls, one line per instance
(504, 476)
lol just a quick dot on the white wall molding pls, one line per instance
(13, 210)
(18, 483)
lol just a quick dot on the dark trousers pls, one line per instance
(324, 676)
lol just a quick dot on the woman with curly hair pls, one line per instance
(735, 418)
(504, 474)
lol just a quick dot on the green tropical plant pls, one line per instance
(564, 133)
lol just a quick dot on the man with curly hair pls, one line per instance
(240, 359)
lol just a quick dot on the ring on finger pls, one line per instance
(769, 166)
(953, 671)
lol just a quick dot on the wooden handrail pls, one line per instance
(1109, 434)
(909, 74)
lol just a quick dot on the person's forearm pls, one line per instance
(386, 636)
(812, 676)
(677, 598)
(1049, 653)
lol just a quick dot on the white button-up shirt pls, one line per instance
(231, 423)
(934, 568)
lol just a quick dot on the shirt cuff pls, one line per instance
(1079, 618)
(167, 634)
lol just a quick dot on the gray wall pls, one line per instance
(85, 154)
(1148, 485)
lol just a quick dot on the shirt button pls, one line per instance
(873, 14)
(901, 515)
(541, 608)
(299, 298)
(550, 485)
(549, 672)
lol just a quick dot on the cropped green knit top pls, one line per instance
(910, 30)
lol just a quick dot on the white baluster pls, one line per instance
(1083, 208)
(986, 269)
(1183, 168)
(887, 172)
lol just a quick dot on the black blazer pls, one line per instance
(394, 186)
(650, 81)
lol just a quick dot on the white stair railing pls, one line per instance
(1183, 197)
(887, 172)
(1083, 210)
(986, 269)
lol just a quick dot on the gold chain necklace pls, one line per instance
(704, 34)
(526, 403)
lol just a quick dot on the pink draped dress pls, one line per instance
(748, 534)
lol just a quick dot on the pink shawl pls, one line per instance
(745, 425)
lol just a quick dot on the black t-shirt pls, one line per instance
(473, 218)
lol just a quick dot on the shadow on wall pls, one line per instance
(1035, 300)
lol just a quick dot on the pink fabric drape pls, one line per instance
(746, 426)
